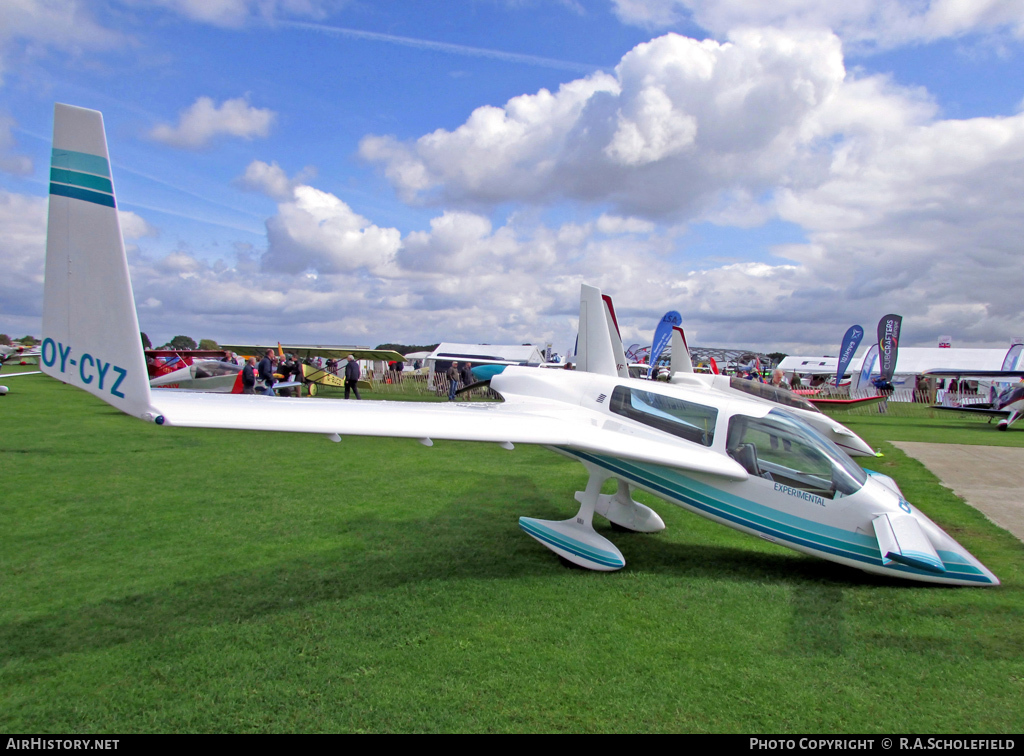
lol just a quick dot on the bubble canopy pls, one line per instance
(784, 449)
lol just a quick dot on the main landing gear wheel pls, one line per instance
(312, 388)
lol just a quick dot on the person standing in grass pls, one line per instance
(351, 376)
(453, 381)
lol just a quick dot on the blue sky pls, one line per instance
(355, 172)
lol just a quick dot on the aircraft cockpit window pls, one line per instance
(694, 422)
(772, 393)
(784, 449)
(212, 369)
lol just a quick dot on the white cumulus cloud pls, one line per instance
(203, 121)
(316, 230)
(65, 25)
(271, 179)
(134, 226)
(877, 23)
(22, 248)
(681, 122)
(499, 152)
(19, 165)
(233, 13)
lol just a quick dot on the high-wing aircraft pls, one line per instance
(304, 351)
(1007, 404)
(312, 376)
(749, 464)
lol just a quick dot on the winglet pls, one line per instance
(90, 328)
(599, 345)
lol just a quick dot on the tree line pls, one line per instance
(183, 343)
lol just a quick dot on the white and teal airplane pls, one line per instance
(737, 459)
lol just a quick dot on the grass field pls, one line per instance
(173, 580)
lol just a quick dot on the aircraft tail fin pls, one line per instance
(681, 360)
(599, 345)
(90, 329)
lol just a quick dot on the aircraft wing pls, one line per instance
(977, 410)
(976, 373)
(311, 350)
(844, 403)
(534, 421)
(91, 341)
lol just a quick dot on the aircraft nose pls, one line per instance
(913, 546)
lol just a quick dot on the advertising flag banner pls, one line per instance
(662, 335)
(888, 345)
(864, 377)
(846, 351)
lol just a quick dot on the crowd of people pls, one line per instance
(273, 370)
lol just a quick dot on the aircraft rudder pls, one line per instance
(90, 328)
(598, 348)
(681, 360)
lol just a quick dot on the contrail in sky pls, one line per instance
(191, 217)
(426, 44)
(121, 167)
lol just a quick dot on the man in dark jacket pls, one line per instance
(351, 376)
(266, 372)
(249, 376)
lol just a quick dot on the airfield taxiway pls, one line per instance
(989, 478)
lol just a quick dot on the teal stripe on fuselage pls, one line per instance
(761, 519)
(84, 180)
(80, 161)
(76, 192)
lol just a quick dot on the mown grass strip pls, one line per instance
(175, 580)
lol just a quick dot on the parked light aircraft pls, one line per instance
(17, 353)
(184, 372)
(737, 460)
(305, 351)
(1008, 404)
(314, 376)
